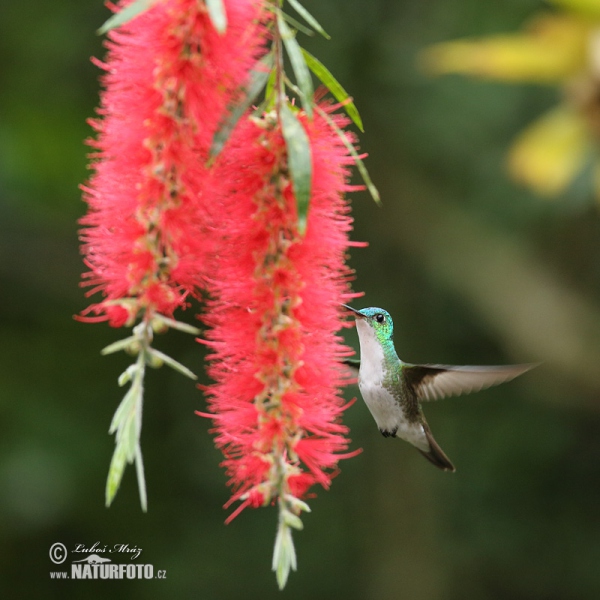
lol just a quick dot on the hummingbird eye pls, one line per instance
(380, 318)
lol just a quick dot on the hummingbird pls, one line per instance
(393, 390)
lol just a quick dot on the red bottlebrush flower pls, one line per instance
(169, 78)
(276, 355)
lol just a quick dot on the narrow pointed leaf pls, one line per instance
(362, 169)
(270, 88)
(130, 439)
(172, 363)
(115, 473)
(283, 571)
(293, 560)
(139, 468)
(217, 14)
(293, 520)
(129, 13)
(284, 555)
(258, 80)
(301, 70)
(127, 374)
(297, 25)
(299, 162)
(118, 345)
(297, 503)
(334, 86)
(308, 18)
(180, 325)
(122, 410)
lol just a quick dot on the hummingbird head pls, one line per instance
(376, 320)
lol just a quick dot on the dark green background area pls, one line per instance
(472, 268)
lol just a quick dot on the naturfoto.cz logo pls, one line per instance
(95, 566)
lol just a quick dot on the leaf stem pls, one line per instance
(127, 420)
(279, 72)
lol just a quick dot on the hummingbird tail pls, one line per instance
(436, 455)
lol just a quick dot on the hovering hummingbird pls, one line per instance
(393, 390)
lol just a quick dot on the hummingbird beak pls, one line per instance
(356, 314)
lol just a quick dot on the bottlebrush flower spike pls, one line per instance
(169, 77)
(276, 355)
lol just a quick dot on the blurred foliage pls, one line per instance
(472, 268)
(556, 48)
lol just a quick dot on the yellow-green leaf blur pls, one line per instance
(562, 49)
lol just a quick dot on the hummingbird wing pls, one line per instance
(433, 382)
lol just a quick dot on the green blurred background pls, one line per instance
(472, 268)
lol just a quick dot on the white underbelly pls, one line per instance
(388, 415)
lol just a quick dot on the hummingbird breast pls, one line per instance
(390, 415)
(384, 390)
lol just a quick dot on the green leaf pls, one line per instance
(172, 363)
(297, 503)
(217, 14)
(129, 438)
(297, 25)
(308, 18)
(352, 150)
(334, 86)
(119, 345)
(130, 12)
(180, 325)
(127, 423)
(258, 80)
(127, 374)
(123, 408)
(299, 66)
(588, 8)
(292, 520)
(139, 468)
(299, 161)
(115, 473)
(284, 555)
(270, 88)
